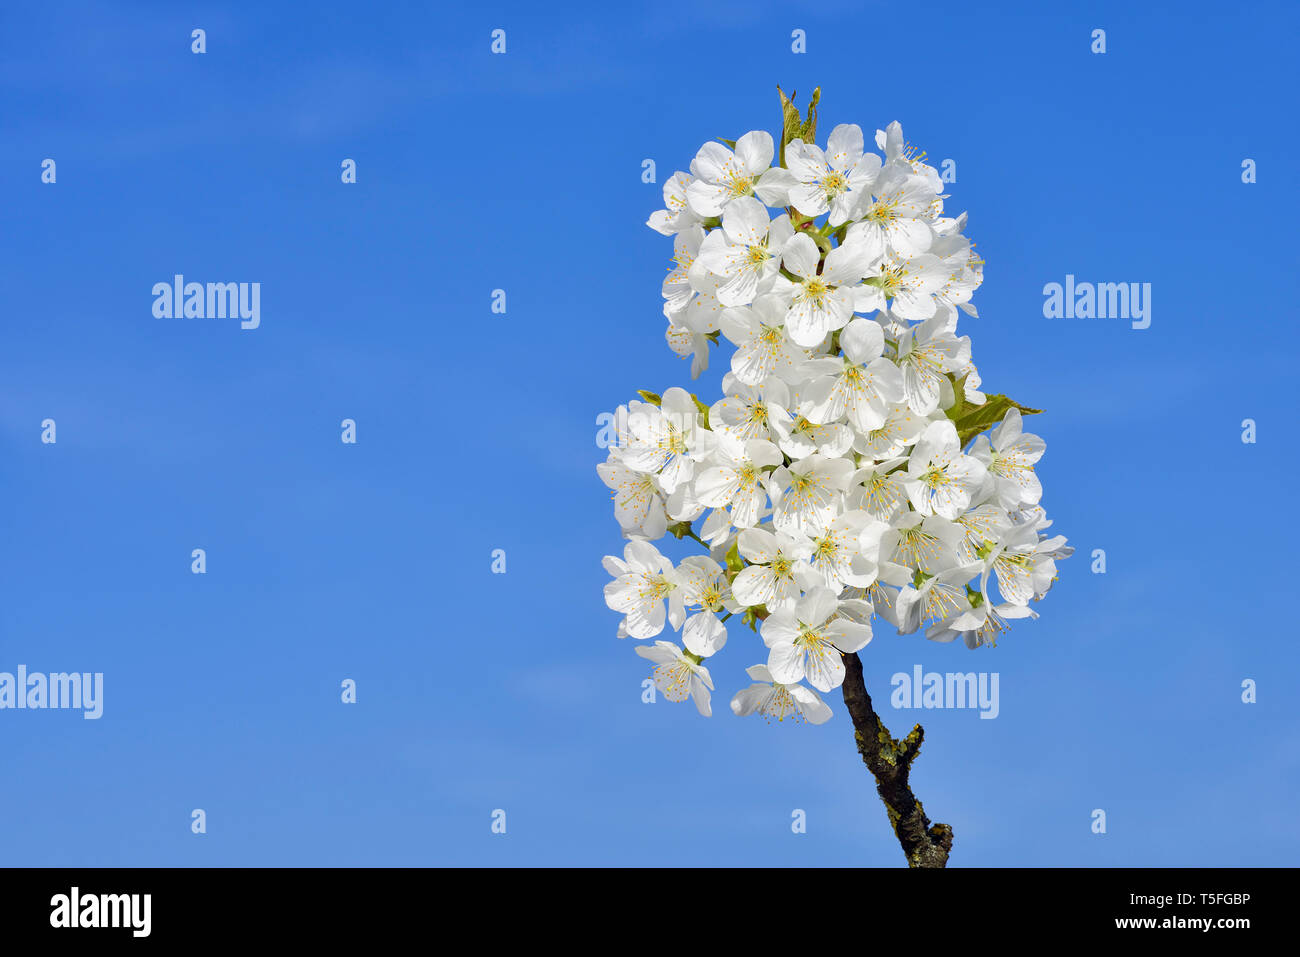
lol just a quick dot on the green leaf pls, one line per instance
(794, 126)
(958, 397)
(654, 398)
(731, 144)
(734, 561)
(974, 419)
(704, 409)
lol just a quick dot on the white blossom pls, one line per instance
(772, 699)
(852, 471)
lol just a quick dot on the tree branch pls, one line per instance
(890, 761)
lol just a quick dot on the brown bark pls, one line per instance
(890, 761)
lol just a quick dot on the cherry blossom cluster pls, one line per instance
(852, 470)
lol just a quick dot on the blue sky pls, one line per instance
(477, 431)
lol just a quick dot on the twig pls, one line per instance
(890, 761)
